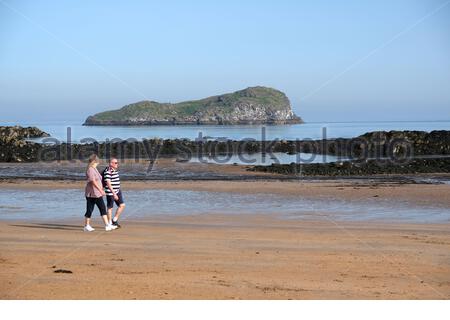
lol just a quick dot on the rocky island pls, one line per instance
(254, 105)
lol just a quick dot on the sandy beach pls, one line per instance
(250, 256)
(210, 257)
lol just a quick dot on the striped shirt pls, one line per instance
(113, 176)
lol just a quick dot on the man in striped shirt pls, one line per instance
(113, 192)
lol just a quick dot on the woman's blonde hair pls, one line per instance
(93, 158)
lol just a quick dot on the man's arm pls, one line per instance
(108, 183)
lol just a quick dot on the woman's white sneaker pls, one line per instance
(110, 227)
(88, 228)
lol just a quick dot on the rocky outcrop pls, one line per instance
(9, 134)
(379, 152)
(365, 168)
(255, 105)
(372, 153)
(14, 147)
(390, 142)
(369, 145)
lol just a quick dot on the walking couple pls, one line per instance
(99, 185)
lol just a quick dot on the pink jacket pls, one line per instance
(91, 191)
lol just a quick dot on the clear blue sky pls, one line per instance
(64, 60)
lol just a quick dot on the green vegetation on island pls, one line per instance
(254, 105)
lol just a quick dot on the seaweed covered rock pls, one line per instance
(15, 148)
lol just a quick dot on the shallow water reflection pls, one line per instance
(51, 205)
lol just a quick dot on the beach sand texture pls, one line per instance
(214, 256)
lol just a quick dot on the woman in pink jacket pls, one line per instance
(94, 195)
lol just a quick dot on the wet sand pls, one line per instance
(213, 256)
(162, 169)
(168, 169)
(220, 257)
(362, 189)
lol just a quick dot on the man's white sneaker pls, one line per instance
(88, 228)
(110, 227)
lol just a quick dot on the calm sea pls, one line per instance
(313, 130)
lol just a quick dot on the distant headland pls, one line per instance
(254, 105)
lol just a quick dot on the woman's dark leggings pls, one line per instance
(90, 204)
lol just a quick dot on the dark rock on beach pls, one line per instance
(371, 153)
(9, 133)
(62, 271)
(375, 144)
(379, 152)
(365, 168)
(15, 148)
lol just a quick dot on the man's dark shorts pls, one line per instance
(110, 200)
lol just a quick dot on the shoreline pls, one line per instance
(340, 201)
(169, 169)
(354, 190)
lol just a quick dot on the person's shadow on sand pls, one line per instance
(53, 226)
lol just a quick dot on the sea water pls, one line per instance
(314, 130)
(60, 204)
